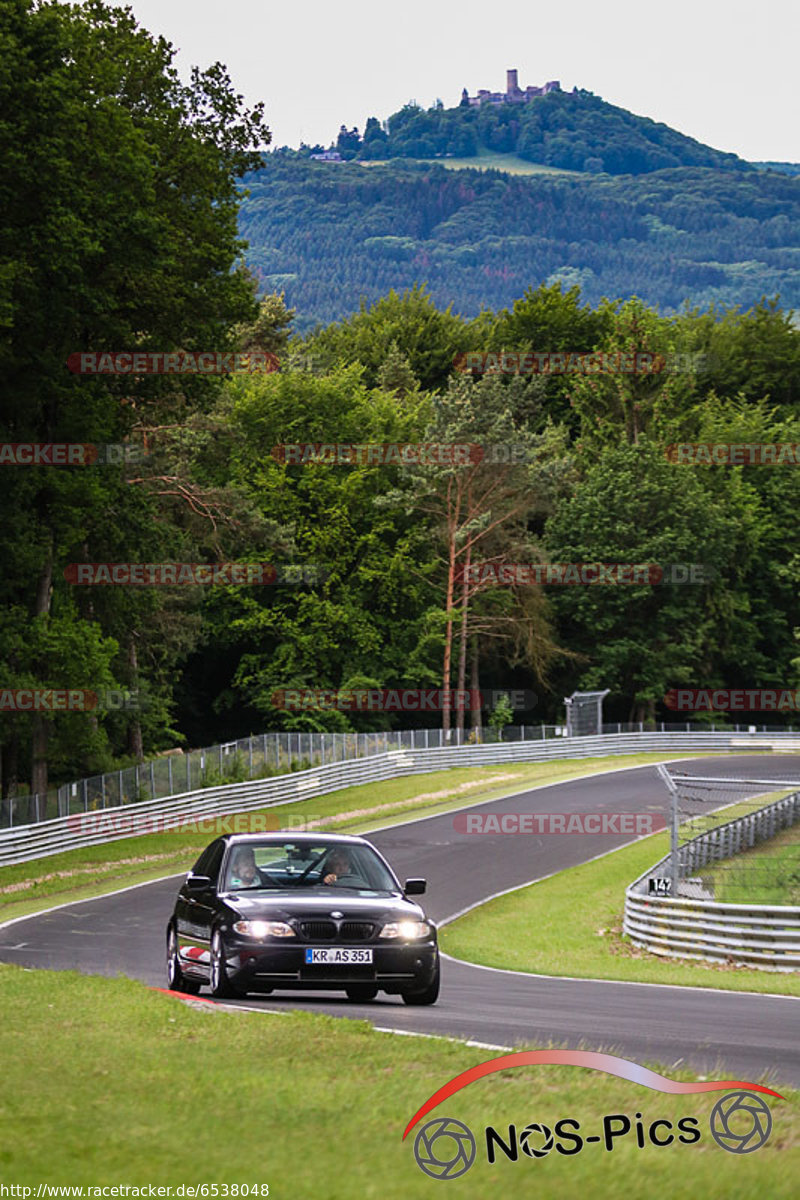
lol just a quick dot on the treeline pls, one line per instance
(329, 234)
(576, 131)
(140, 232)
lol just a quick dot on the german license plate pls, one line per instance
(342, 955)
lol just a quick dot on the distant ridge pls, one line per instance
(574, 131)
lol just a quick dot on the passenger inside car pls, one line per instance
(243, 871)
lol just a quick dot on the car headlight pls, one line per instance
(263, 929)
(407, 930)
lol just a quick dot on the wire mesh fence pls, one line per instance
(277, 753)
(734, 841)
(585, 713)
(256, 757)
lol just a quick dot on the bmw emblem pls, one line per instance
(337, 914)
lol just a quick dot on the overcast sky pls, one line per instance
(723, 71)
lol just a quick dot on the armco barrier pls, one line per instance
(26, 842)
(759, 935)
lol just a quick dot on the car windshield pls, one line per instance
(293, 864)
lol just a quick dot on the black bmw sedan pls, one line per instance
(302, 911)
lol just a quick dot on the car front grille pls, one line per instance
(356, 931)
(328, 931)
(318, 931)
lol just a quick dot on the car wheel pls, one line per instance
(361, 992)
(176, 979)
(429, 996)
(221, 986)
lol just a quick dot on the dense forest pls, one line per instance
(330, 234)
(139, 225)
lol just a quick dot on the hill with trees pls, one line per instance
(329, 234)
(139, 222)
(576, 130)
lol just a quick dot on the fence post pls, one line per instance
(171, 791)
(152, 783)
(673, 791)
(250, 753)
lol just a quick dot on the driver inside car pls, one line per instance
(339, 869)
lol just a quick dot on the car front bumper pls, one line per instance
(251, 966)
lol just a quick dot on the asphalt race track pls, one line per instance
(736, 1034)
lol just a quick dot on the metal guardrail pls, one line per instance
(44, 838)
(762, 935)
(176, 772)
(263, 755)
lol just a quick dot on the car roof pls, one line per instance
(284, 835)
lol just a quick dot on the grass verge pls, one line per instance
(310, 1105)
(79, 874)
(571, 924)
(769, 873)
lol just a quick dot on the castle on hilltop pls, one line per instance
(513, 94)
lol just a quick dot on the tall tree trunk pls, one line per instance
(135, 744)
(9, 759)
(462, 649)
(474, 687)
(448, 638)
(9, 765)
(40, 727)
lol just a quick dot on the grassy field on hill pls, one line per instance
(485, 160)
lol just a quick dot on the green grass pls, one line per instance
(78, 874)
(769, 873)
(486, 160)
(571, 924)
(106, 1082)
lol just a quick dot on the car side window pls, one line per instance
(215, 861)
(209, 861)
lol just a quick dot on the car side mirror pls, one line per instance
(197, 883)
(414, 887)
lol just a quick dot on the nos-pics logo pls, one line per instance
(445, 1148)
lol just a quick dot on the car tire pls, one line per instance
(428, 996)
(361, 992)
(176, 979)
(221, 987)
